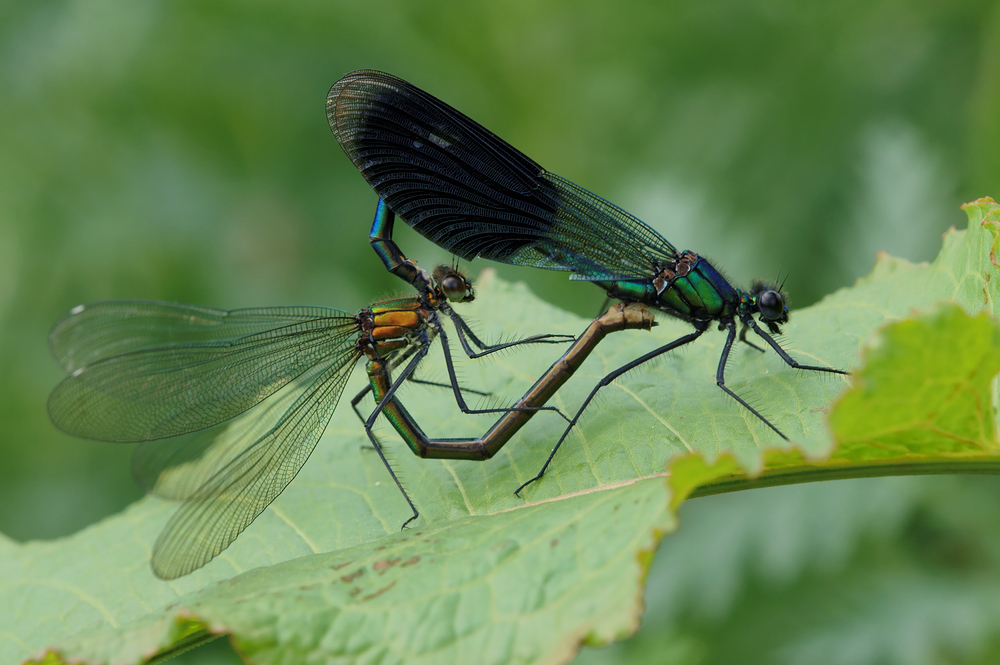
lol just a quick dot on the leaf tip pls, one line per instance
(986, 213)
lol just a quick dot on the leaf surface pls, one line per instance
(487, 577)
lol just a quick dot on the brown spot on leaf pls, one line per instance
(409, 562)
(380, 591)
(385, 564)
(353, 576)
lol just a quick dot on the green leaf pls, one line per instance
(486, 576)
(925, 390)
(867, 572)
(925, 401)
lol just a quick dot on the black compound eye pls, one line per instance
(455, 288)
(771, 305)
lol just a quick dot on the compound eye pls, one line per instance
(771, 305)
(455, 288)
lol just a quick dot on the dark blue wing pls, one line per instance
(472, 193)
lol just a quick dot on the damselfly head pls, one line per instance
(771, 302)
(453, 284)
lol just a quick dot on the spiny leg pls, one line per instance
(743, 338)
(677, 343)
(460, 399)
(462, 330)
(439, 384)
(370, 422)
(418, 356)
(784, 354)
(720, 378)
(453, 384)
(396, 361)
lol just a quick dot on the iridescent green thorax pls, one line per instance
(689, 288)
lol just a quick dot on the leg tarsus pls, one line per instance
(407, 522)
(465, 336)
(437, 384)
(390, 394)
(457, 389)
(357, 400)
(720, 378)
(743, 338)
(791, 362)
(606, 381)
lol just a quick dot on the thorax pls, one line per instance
(389, 326)
(689, 288)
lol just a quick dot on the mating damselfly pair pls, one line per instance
(240, 398)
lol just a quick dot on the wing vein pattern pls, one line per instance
(469, 191)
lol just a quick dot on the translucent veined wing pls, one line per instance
(176, 468)
(227, 502)
(149, 370)
(115, 327)
(469, 191)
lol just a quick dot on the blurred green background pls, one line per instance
(180, 151)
